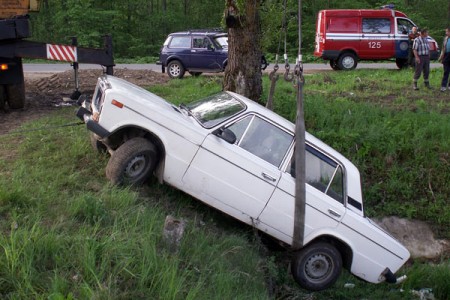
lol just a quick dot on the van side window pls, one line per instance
(322, 173)
(349, 24)
(376, 25)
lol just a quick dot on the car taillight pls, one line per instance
(3, 67)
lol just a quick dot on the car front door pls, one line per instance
(204, 55)
(239, 178)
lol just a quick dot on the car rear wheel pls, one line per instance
(175, 69)
(317, 266)
(347, 61)
(132, 163)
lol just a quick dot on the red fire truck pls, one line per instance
(345, 36)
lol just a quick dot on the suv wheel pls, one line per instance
(132, 163)
(175, 69)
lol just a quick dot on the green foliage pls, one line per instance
(139, 28)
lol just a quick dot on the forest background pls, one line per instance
(139, 27)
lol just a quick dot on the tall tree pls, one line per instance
(243, 72)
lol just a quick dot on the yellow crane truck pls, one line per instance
(14, 31)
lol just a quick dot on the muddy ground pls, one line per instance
(50, 91)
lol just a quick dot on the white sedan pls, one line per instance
(237, 156)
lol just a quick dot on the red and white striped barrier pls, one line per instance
(62, 52)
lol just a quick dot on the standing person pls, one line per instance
(444, 58)
(421, 51)
(411, 36)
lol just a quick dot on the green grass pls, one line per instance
(68, 234)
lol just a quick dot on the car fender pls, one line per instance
(174, 57)
(180, 145)
(224, 64)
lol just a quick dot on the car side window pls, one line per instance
(200, 42)
(376, 25)
(322, 173)
(404, 26)
(262, 138)
(180, 42)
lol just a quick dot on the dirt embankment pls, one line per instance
(47, 91)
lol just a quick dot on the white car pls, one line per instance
(236, 156)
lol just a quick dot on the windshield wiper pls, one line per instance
(184, 106)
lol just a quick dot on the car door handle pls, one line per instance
(334, 213)
(193, 50)
(268, 177)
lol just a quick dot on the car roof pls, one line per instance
(213, 31)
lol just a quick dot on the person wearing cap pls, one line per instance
(444, 58)
(421, 51)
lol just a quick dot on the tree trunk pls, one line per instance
(243, 72)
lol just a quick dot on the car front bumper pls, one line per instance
(86, 116)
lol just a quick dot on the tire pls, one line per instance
(347, 61)
(402, 63)
(195, 74)
(264, 63)
(2, 97)
(16, 95)
(96, 144)
(333, 65)
(132, 163)
(317, 266)
(175, 69)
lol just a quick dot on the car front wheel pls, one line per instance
(132, 163)
(317, 266)
(175, 69)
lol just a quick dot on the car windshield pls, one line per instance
(222, 41)
(215, 109)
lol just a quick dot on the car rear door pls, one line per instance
(324, 198)
(239, 178)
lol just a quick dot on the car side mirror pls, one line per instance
(210, 47)
(226, 134)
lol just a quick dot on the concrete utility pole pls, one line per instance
(300, 170)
